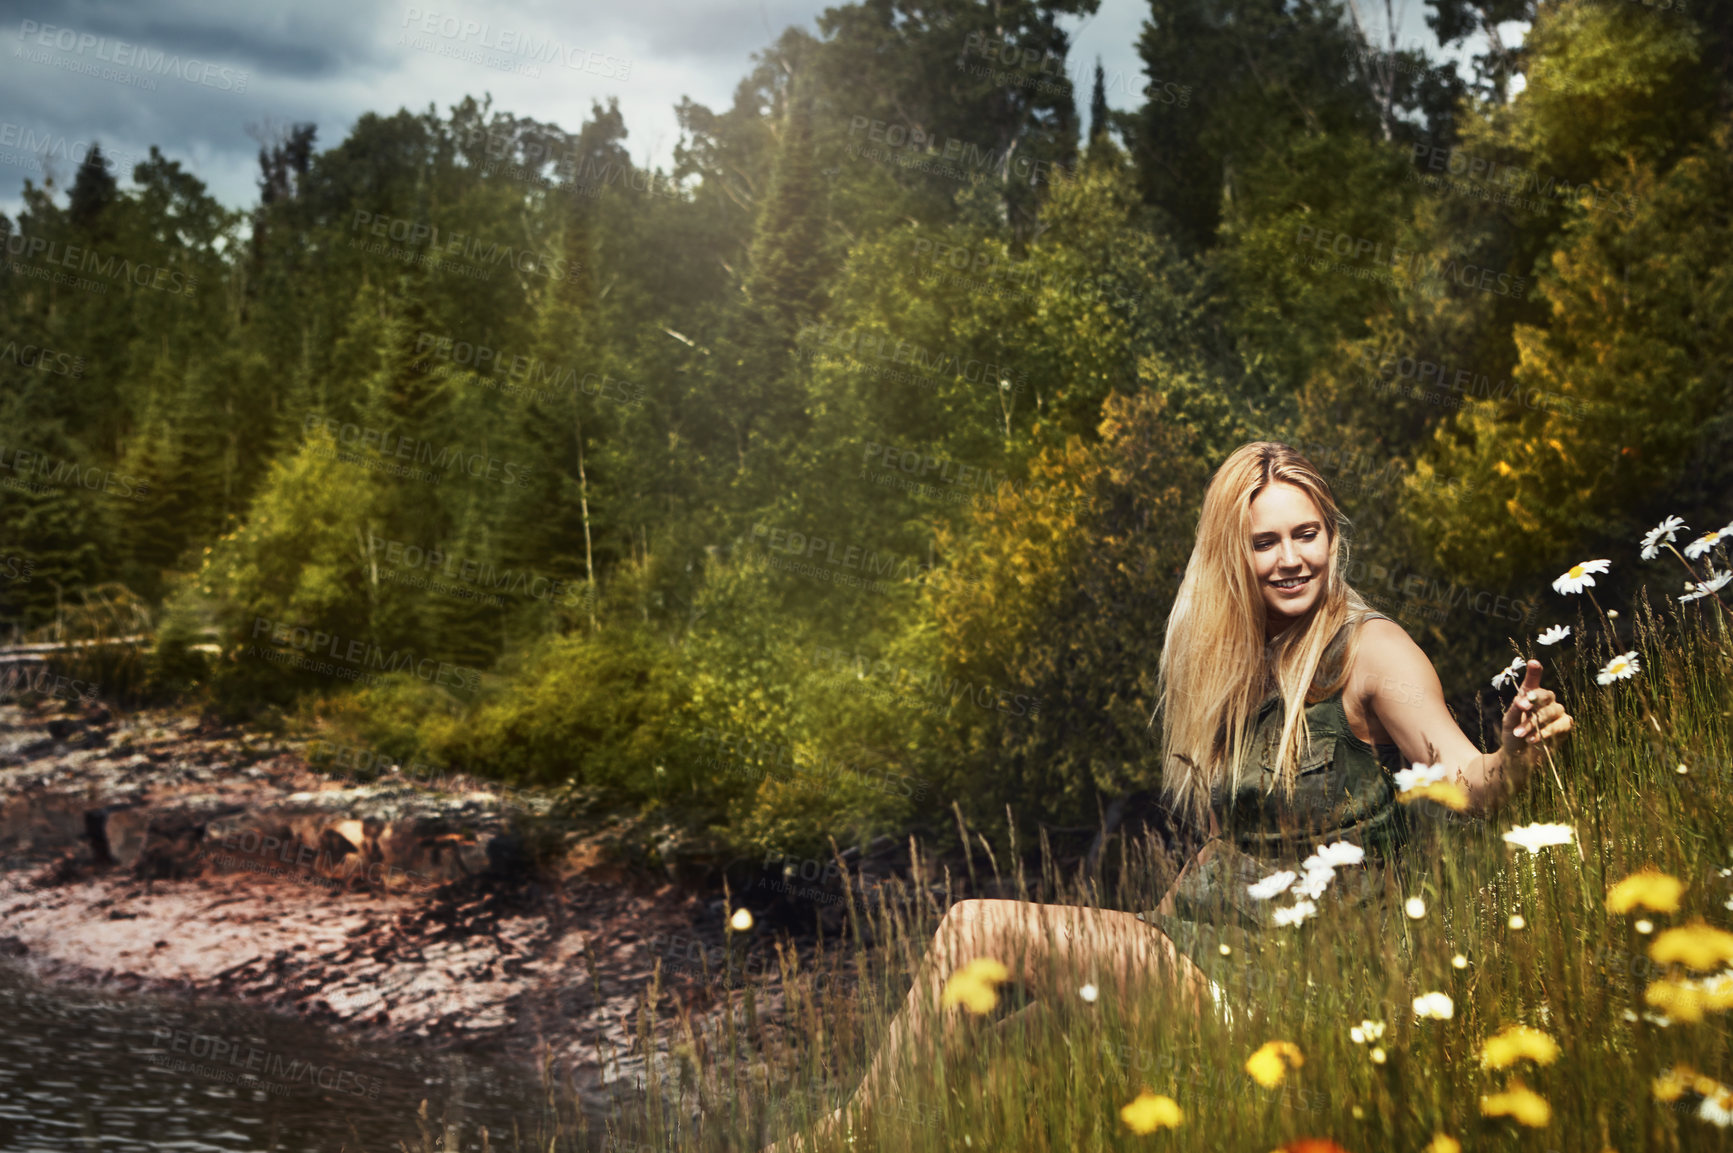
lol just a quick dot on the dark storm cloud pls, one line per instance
(188, 76)
(723, 31)
(330, 61)
(306, 39)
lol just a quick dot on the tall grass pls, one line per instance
(1054, 1072)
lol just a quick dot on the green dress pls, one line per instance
(1344, 791)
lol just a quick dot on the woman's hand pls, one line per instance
(1402, 690)
(1533, 718)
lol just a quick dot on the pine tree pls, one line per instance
(93, 191)
(1098, 114)
(785, 285)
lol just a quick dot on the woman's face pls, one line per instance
(1290, 554)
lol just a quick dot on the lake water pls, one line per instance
(86, 1070)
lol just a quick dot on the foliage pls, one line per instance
(519, 432)
(1095, 539)
(1565, 989)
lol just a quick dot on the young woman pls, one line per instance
(1287, 706)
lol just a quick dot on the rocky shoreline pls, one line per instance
(153, 853)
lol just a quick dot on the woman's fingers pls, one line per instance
(1530, 679)
(1531, 705)
(1542, 722)
(1522, 711)
(1551, 723)
(1536, 712)
(1519, 709)
(1556, 729)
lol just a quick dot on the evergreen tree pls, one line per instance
(785, 286)
(1099, 122)
(93, 191)
(283, 165)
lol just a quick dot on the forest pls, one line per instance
(845, 473)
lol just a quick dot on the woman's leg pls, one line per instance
(1046, 947)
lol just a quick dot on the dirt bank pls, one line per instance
(147, 852)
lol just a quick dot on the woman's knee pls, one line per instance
(977, 909)
(982, 922)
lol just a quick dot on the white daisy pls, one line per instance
(1296, 913)
(1089, 993)
(1511, 674)
(1578, 577)
(1534, 838)
(1708, 540)
(1618, 669)
(1716, 582)
(1437, 1006)
(1335, 856)
(1273, 885)
(1314, 883)
(1553, 635)
(1419, 775)
(1717, 1110)
(1662, 533)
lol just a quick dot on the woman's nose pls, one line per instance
(1290, 556)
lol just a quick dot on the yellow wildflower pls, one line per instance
(1520, 1102)
(1698, 946)
(1266, 1066)
(1646, 889)
(1443, 1144)
(1680, 1000)
(1672, 1083)
(1451, 796)
(972, 986)
(1514, 1043)
(1150, 1112)
(1686, 999)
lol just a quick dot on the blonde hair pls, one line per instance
(1216, 667)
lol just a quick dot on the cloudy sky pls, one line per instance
(201, 78)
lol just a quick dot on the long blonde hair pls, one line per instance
(1216, 667)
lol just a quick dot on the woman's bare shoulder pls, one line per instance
(1387, 656)
(1379, 625)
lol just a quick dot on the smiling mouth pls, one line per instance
(1291, 582)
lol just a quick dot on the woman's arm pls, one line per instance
(1397, 683)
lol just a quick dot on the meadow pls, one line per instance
(1555, 977)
